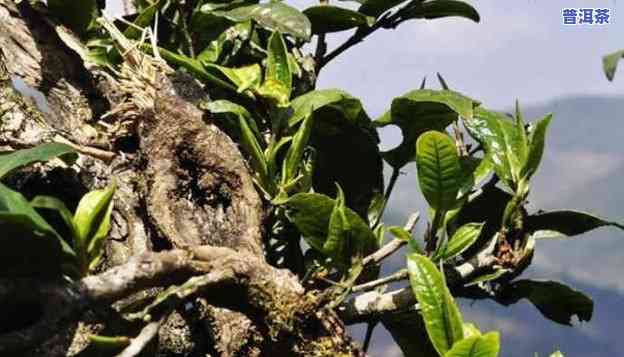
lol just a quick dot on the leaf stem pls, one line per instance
(398, 276)
(393, 179)
(369, 334)
(386, 21)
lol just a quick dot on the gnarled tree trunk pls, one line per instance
(185, 212)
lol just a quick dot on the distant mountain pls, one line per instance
(583, 168)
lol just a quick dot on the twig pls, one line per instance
(393, 179)
(398, 276)
(373, 304)
(393, 245)
(386, 21)
(369, 334)
(138, 344)
(321, 48)
(104, 155)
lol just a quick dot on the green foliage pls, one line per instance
(315, 158)
(419, 111)
(276, 16)
(332, 228)
(327, 18)
(443, 320)
(438, 169)
(32, 246)
(487, 345)
(463, 238)
(610, 62)
(92, 223)
(34, 238)
(42, 153)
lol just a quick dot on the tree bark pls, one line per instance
(185, 212)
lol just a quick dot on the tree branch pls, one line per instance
(393, 245)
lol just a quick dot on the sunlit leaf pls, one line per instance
(503, 142)
(277, 67)
(487, 345)
(273, 16)
(41, 153)
(463, 238)
(610, 62)
(537, 141)
(443, 321)
(92, 222)
(439, 173)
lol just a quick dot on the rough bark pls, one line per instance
(185, 208)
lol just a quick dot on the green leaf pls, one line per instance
(252, 147)
(339, 233)
(41, 153)
(443, 321)
(276, 91)
(312, 214)
(537, 141)
(307, 103)
(193, 66)
(471, 330)
(489, 207)
(503, 141)
(346, 146)
(53, 203)
(568, 223)
(143, 20)
(487, 345)
(376, 8)
(294, 155)
(92, 222)
(32, 246)
(79, 15)
(443, 8)
(419, 111)
(554, 300)
(474, 171)
(328, 18)
(402, 234)
(610, 62)
(487, 277)
(463, 238)
(246, 77)
(276, 16)
(439, 173)
(277, 67)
